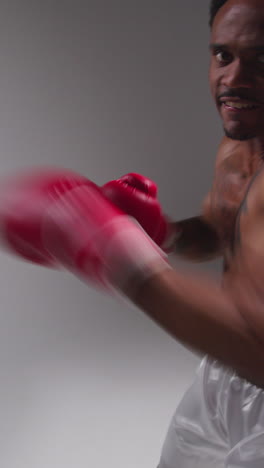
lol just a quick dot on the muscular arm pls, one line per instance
(197, 240)
(197, 312)
(226, 322)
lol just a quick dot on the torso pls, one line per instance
(236, 164)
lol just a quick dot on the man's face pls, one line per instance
(237, 67)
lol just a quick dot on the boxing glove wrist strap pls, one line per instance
(89, 236)
(131, 257)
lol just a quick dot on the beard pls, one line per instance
(239, 135)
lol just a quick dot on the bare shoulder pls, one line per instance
(253, 202)
(233, 171)
(250, 222)
(224, 150)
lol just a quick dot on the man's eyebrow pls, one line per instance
(214, 46)
(256, 48)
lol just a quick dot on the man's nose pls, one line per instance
(238, 74)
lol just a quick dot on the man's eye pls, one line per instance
(261, 58)
(222, 56)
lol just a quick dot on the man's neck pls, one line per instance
(256, 147)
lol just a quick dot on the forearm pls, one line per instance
(201, 315)
(194, 239)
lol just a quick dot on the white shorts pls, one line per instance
(218, 424)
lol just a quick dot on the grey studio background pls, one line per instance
(104, 88)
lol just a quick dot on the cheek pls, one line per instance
(215, 78)
(212, 81)
(211, 73)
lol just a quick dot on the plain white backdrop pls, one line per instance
(104, 88)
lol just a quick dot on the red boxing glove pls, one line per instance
(23, 201)
(61, 218)
(136, 195)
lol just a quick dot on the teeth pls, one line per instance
(239, 105)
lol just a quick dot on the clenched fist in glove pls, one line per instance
(136, 195)
(61, 218)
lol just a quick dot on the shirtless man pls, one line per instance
(63, 219)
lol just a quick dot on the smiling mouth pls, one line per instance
(239, 105)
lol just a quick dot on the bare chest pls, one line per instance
(231, 183)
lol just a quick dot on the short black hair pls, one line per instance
(215, 5)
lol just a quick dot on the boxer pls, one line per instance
(113, 239)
